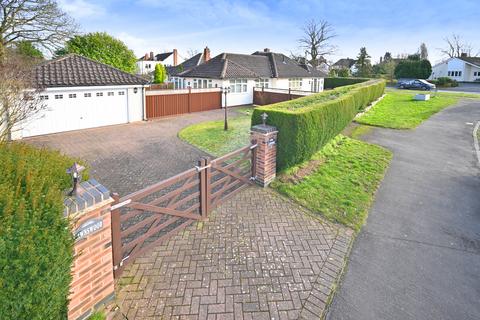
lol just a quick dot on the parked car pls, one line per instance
(417, 84)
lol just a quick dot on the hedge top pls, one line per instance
(308, 103)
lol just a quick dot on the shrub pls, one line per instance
(415, 69)
(331, 83)
(306, 124)
(36, 244)
(160, 74)
(446, 82)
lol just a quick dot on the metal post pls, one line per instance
(254, 160)
(225, 124)
(116, 238)
(289, 94)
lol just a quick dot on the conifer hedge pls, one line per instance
(335, 82)
(306, 124)
(36, 244)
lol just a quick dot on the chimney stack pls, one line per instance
(145, 57)
(151, 55)
(266, 50)
(175, 57)
(206, 54)
(463, 55)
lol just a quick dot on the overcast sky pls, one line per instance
(248, 26)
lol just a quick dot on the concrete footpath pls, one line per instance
(418, 257)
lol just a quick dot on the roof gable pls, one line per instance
(77, 71)
(472, 60)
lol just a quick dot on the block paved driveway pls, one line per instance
(259, 256)
(126, 158)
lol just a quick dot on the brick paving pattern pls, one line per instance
(126, 158)
(259, 256)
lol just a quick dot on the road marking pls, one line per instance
(475, 140)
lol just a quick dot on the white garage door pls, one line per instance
(66, 111)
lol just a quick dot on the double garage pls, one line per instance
(80, 93)
(82, 108)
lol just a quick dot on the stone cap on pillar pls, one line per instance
(89, 193)
(264, 128)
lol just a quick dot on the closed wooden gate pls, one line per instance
(174, 102)
(149, 216)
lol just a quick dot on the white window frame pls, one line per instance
(295, 83)
(72, 95)
(121, 93)
(58, 96)
(44, 97)
(99, 94)
(238, 86)
(262, 83)
(87, 95)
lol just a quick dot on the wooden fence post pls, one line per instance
(189, 99)
(289, 94)
(116, 238)
(204, 164)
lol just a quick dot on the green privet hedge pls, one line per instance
(36, 244)
(332, 83)
(306, 124)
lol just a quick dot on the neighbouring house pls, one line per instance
(147, 63)
(243, 72)
(79, 93)
(187, 65)
(462, 69)
(345, 63)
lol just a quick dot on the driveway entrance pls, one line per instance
(126, 158)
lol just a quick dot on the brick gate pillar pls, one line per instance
(266, 153)
(92, 271)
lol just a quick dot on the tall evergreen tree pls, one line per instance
(363, 64)
(160, 73)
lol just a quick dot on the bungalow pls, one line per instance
(79, 93)
(463, 69)
(147, 63)
(243, 72)
(345, 64)
(196, 60)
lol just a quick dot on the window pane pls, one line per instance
(232, 88)
(238, 87)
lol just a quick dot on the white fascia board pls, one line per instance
(91, 88)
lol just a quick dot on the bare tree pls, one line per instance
(191, 52)
(19, 97)
(316, 40)
(455, 46)
(39, 22)
(423, 51)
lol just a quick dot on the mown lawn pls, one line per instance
(339, 181)
(398, 110)
(210, 137)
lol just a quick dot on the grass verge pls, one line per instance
(398, 110)
(339, 181)
(210, 137)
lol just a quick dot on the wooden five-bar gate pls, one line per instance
(149, 216)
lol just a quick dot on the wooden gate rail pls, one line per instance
(151, 215)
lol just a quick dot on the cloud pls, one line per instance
(81, 9)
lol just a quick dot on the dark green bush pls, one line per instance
(335, 82)
(36, 244)
(445, 82)
(306, 124)
(413, 69)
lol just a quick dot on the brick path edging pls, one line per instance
(328, 280)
